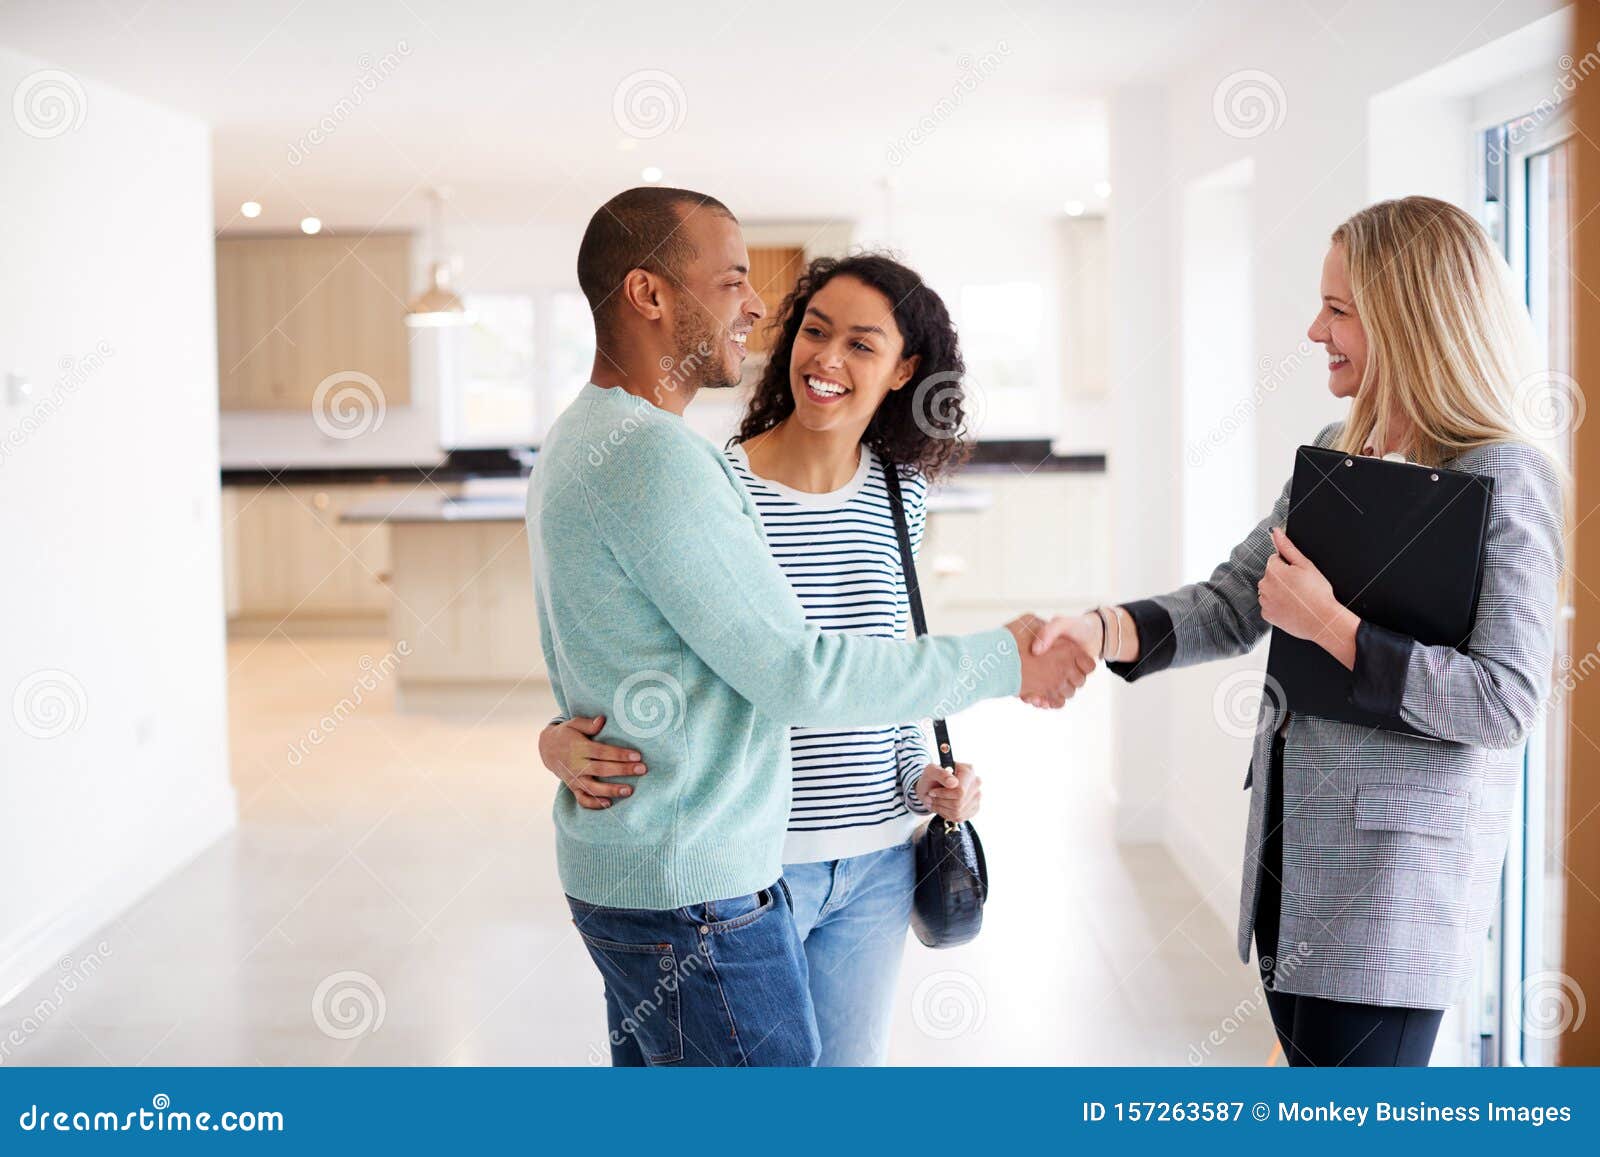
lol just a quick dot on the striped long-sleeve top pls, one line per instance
(854, 787)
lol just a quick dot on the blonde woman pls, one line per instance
(1372, 859)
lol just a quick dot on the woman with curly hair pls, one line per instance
(864, 377)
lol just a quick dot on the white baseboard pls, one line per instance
(1203, 870)
(190, 827)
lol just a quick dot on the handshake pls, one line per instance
(1059, 656)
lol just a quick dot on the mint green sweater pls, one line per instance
(661, 608)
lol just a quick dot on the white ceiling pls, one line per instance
(786, 112)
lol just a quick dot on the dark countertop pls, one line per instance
(1023, 456)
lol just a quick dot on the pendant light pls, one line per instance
(438, 304)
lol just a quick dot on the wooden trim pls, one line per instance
(773, 271)
(1581, 1044)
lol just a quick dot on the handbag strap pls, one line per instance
(919, 621)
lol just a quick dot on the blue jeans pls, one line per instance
(853, 915)
(719, 983)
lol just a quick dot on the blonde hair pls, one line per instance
(1448, 339)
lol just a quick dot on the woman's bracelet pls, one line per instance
(1105, 635)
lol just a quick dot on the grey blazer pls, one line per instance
(1392, 844)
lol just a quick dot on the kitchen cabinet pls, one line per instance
(774, 269)
(290, 561)
(1038, 545)
(293, 311)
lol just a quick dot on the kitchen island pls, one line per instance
(462, 593)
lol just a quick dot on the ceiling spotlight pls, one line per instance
(311, 226)
(1074, 208)
(1102, 189)
(651, 175)
(251, 208)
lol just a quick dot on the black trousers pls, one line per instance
(1312, 1029)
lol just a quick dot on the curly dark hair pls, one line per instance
(919, 428)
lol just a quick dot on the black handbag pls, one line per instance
(952, 877)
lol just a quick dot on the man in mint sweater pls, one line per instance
(661, 607)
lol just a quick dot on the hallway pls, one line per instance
(389, 897)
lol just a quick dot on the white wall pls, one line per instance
(954, 249)
(1313, 166)
(113, 741)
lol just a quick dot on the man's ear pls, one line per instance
(904, 372)
(642, 292)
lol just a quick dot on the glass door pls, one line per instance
(1526, 998)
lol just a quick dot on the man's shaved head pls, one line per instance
(637, 229)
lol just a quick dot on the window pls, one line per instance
(511, 371)
(494, 395)
(1526, 208)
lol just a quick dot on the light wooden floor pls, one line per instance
(390, 897)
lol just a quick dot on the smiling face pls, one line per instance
(714, 307)
(1338, 329)
(846, 357)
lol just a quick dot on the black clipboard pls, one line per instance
(1402, 546)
